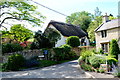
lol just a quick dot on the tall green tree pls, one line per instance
(114, 48)
(20, 10)
(19, 33)
(97, 12)
(82, 19)
(93, 25)
(52, 35)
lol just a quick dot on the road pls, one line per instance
(64, 70)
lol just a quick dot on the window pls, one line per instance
(105, 47)
(104, 33)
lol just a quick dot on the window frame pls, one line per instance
(104, 33)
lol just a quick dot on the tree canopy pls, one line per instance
(81, 19)
(20, 10)
(93, 25)
(21, 33)
(18, 33)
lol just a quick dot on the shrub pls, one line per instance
(114, 48)
(86, 67)
(66, 48)
(15, 62)
(96, 70)
(112, 60)
(117, 72)
(101, 70)
(32, 62)
(63, 52)
(10, 47)
(73, 41)
(80, 59)
(86, 53)
(59, 54)
(95, 61)
(72, 55)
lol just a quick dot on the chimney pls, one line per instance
(105, 18)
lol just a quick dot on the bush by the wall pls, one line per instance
(86, 53)
(32, 62)
(66, 48)
(63, 53)
(73, 41)
(101, 70)
(95, 61)
(15, 62)
(114, 48)
(59, 54)
(86, 67)
(11, 47)
(112, 60)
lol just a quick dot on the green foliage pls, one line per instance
(101, 70)
(64, 53)
(11, 47)
(32, 62)
(82, 19)
(86, 67)
(92, 26)
(41, 41)
(20, 33)
(114, 48)
(52, 34)
(112, 60)
(15, 62)
(97, 12)
(20, 10)
(96, 70)
(73, 41)
(66, 48)
(96, 60)
(86, 53)
(117, 73)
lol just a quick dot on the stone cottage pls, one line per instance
(108, 30)
(66, 30)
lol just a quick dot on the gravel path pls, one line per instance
(64, 70)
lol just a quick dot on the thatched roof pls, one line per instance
(68, 29)
(109, 25)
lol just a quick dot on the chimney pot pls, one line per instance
(105, 18)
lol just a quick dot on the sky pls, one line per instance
(68, 7)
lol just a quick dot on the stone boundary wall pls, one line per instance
(26, 53)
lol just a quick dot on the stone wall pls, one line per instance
(26, 53)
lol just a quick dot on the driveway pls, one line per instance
(64, 70)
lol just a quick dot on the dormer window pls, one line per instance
(104, 33)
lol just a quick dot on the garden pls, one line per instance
(100, 62)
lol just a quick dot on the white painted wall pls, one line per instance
(62, 40)
(87, 41)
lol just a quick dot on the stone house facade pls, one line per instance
(108, 30)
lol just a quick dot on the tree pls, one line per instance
(93, 25)
(81, 19)
(41, 41)
(20, 33)
(114, 48)
(111, 17)
(97, 12)
(52, 35)
(20, 10)
(73, 41)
